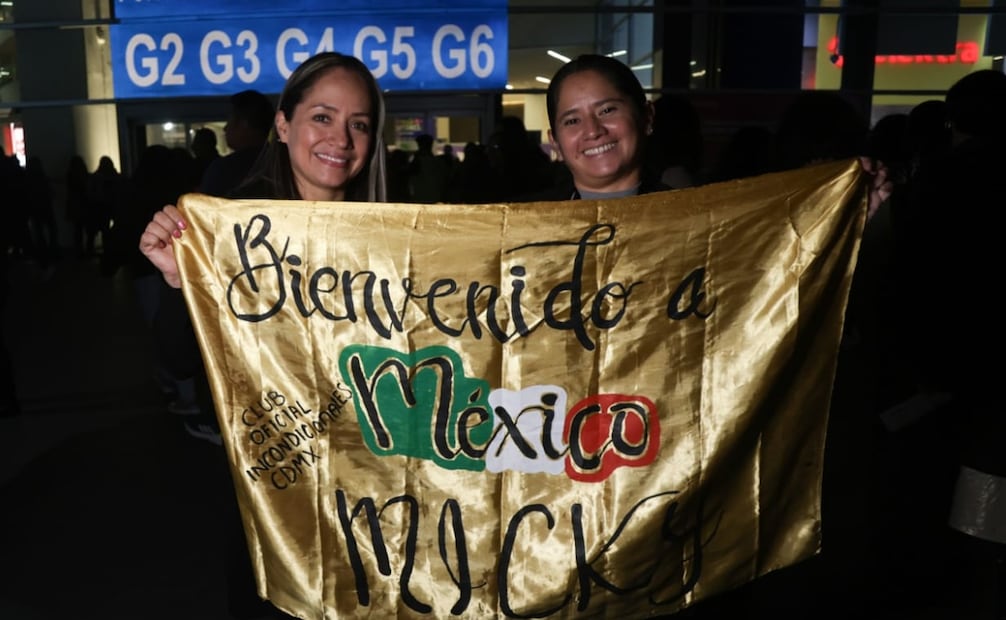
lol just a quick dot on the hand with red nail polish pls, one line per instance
(156, 242)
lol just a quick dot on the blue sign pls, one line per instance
(442, 50)
(191, 9)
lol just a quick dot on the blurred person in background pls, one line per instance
(246, 132)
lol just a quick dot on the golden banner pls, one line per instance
(574, 409)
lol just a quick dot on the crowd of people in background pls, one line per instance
(918, 318)
(512, 165)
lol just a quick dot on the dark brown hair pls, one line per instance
(274, 165)
(615, 71)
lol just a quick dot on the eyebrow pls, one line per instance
(332, 108)
(570, 111)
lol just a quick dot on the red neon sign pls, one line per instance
(967, 54)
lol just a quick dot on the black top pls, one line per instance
(226, 173)
(567, 191)
(253, 190)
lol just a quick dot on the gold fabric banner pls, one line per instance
(583, 409)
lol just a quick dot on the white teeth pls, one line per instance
(597, 150)
(335, 160)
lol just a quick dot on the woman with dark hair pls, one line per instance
(599, 121)
(327, 146)
(291, 166)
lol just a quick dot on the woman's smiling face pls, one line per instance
(597, 134)
(329, 135)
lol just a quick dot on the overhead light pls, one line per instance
(543, 80)
(642, 67)
(558, 56)
(618, 53)
(168, 126)
(509, 87)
